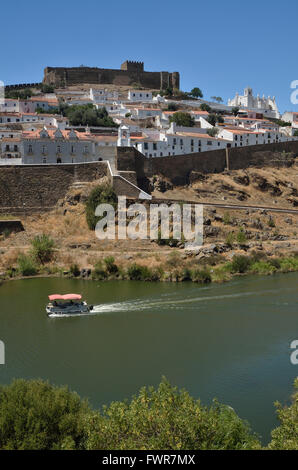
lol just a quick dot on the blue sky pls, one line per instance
(220, 46)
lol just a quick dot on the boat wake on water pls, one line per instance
(164, 302)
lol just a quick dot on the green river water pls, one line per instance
(230, 341)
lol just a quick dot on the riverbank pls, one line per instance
(60, 243)
(177, 268)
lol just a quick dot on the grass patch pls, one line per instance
(27, 266)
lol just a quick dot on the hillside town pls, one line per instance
(51, 124)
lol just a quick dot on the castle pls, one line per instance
(130, 73)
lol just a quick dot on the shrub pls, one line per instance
(26, 265)
(139, 273)
(6, 233)
(75, 270)
(230, 238)
(289, 264)
(241, 237)
(221, 273)
(173, 259)
(103, 193)
(168, 418)
(111, 267)
(240, 264)
(42, 248)
(271, 222)
(99, 272)
(226, 218)
(263, 267)
(201, 275)
(35, 415)
(285, 436)
(275, 262)
(186, 274)
(182, 119)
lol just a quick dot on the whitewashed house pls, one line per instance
(139, 95)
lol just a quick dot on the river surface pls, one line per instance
(230, 341)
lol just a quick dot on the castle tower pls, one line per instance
(132, 66)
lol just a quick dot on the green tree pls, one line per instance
(35, 415)
(285, 436)
(182, 119)
(103, 193)
(168, 418)
(214, 118)
(217, 98)
(213, 131)
(235, 110)
(83, 115)
(205, 107)
(172, 107)
(196, 93)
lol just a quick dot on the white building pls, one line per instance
(267, 106)
(291, 117)
(139, 95)
(101, 94)
(49, 146)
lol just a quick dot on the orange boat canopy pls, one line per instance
(65, 297)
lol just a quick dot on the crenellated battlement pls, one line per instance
(131, 72)
(132, 65)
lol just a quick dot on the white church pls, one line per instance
(267, 106)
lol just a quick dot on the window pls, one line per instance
(146, 145)
(44, 160)
(58, 149)
(154, 146)
(30, 149)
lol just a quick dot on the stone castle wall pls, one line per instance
(133, 73)
(178, 168)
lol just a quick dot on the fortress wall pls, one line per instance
(41, 186)
(178, 168)
(93, 75)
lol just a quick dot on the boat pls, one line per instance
(67, 304)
